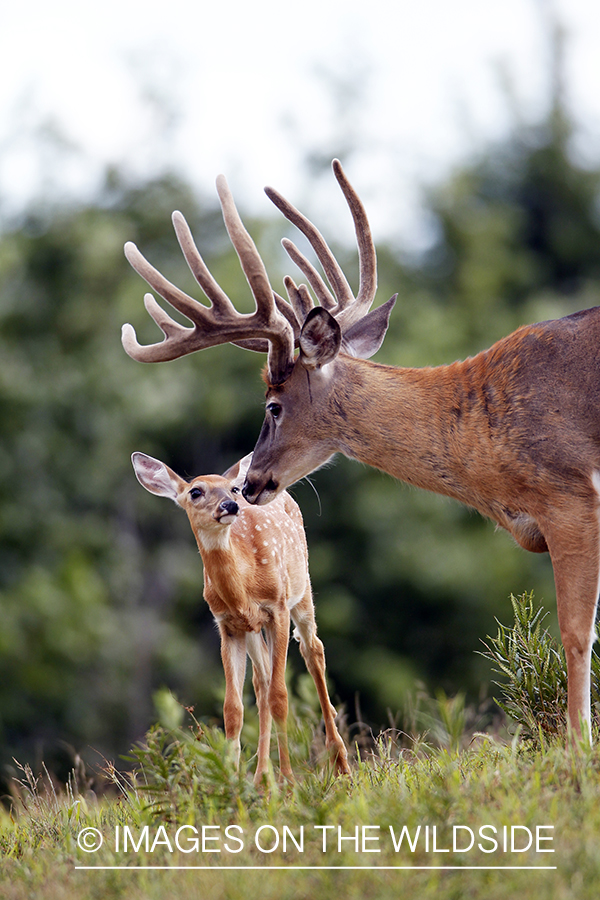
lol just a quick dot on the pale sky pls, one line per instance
(239, 87)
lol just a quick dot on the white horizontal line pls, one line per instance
(316, 868)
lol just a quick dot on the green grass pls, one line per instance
(181, 787)
(186, 779)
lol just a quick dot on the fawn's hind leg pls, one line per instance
(313, 652)
(277, 634)
(261, 679)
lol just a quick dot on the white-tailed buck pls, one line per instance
(255, 578)
(513, 431)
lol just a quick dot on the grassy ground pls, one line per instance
(186, 791)
(455, 813)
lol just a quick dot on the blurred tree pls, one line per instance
(99, 590)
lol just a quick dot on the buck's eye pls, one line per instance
(196, 493)
(274, 409)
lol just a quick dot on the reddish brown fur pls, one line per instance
(513, 432)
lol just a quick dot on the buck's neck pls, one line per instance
(429, 427)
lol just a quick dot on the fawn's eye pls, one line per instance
(274, 409)
(235, 490)
(196, 493)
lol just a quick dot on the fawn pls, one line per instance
(255, 579)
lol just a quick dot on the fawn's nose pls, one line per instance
(228, 508)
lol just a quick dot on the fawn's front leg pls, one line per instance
(233, 655)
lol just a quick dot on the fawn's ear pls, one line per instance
(156, 477)
(237, 472)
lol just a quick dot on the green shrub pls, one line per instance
(534, 692)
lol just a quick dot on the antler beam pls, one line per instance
(343, 305)
(275, 325)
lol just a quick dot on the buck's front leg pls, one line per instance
(233, 655)
(575, 552)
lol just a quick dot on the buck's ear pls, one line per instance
(237, 472)
(320, 338)
(366, 337)
(156, 477)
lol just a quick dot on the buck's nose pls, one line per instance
(256, 492)
(250, 490)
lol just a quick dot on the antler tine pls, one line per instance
(179, 340)
(300, 300)
(347, 309)
(175, 334)
(321, 290)
(366, 248)
(249, 257)
(331, 267)
(222, 305)
(278, 328)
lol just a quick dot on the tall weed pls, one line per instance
(533, 693)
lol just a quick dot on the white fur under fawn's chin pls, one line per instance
(216, 538)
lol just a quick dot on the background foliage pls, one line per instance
(100, 583)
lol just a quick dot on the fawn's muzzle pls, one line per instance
(225, 509)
